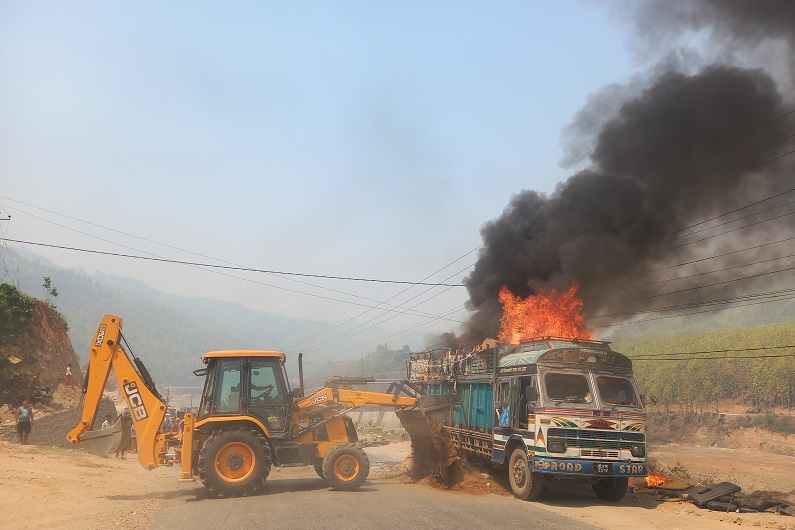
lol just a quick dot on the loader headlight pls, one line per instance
(557, 446)
(638, 450)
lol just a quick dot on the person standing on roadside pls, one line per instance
(68, 373)
(24, 418)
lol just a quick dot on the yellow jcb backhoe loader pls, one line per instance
(248, 419)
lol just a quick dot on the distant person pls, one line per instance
(68, 373)
(24, 419)
(106, 423)
(133, 440)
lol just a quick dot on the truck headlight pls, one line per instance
(638, 450)
(558, 446)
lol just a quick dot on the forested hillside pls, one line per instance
(751, 365)
(170, 333)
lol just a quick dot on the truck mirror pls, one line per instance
(531, 393)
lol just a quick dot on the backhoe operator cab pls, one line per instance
(247, 383)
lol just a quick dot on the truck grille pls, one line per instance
(596, 443)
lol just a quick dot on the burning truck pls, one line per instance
(544, 408)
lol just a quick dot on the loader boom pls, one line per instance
(147, 408)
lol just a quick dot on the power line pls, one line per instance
(733, 220)
(641, 321)
(710, 272)
(696, 288)
(726, 232)
(720, 351)
(295, 291)
(719, 301)
(390, 298)
(391, 317)
(723, 255)
(715, 358)
(737, 210)
(230, 267)
(379, 306)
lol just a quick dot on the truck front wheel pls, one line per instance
(525, 484)
(611, 488)
(346, 467)
(234, 462)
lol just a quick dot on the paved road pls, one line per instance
(299, 499)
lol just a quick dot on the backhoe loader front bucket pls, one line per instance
(107, 441)
(433, 452)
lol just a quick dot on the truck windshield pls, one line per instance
(567, 388)
(616, 391)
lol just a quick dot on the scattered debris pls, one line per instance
(723, 497)
(712, 493)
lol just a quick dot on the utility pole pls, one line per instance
(168, 395)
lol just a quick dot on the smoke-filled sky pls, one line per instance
(384, 141)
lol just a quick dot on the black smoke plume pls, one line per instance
(690, 146)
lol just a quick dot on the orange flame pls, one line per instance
(654, 481)
(545, 314)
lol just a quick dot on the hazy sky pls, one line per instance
(365, 139)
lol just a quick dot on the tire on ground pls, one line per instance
(346, 467)
(319, 469)
(611, 488)
(525, 484)
(234, 462)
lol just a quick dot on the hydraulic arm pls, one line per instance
(147, 408)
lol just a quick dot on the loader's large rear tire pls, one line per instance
(234, 462)
(525, 484)
(346, 467)
(611, 488)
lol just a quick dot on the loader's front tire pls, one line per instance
(611, 489)
(346, 467)
(525, 484)
(234, 462)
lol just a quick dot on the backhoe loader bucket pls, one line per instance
(433, 452)
(107, 441)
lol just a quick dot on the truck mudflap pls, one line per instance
(107, 441)
(432, 449)
(585, 467)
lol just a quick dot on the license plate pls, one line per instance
(601, 469)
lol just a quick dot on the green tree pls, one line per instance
(15, 308)
(52, 292)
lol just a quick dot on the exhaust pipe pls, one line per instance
(301, 374)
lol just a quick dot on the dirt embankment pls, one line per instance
(43, 347)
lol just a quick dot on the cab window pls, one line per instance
(228, 386)
(266, 383)
(205, 408)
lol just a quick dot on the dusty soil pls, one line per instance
(52, 488)
(43, 487)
